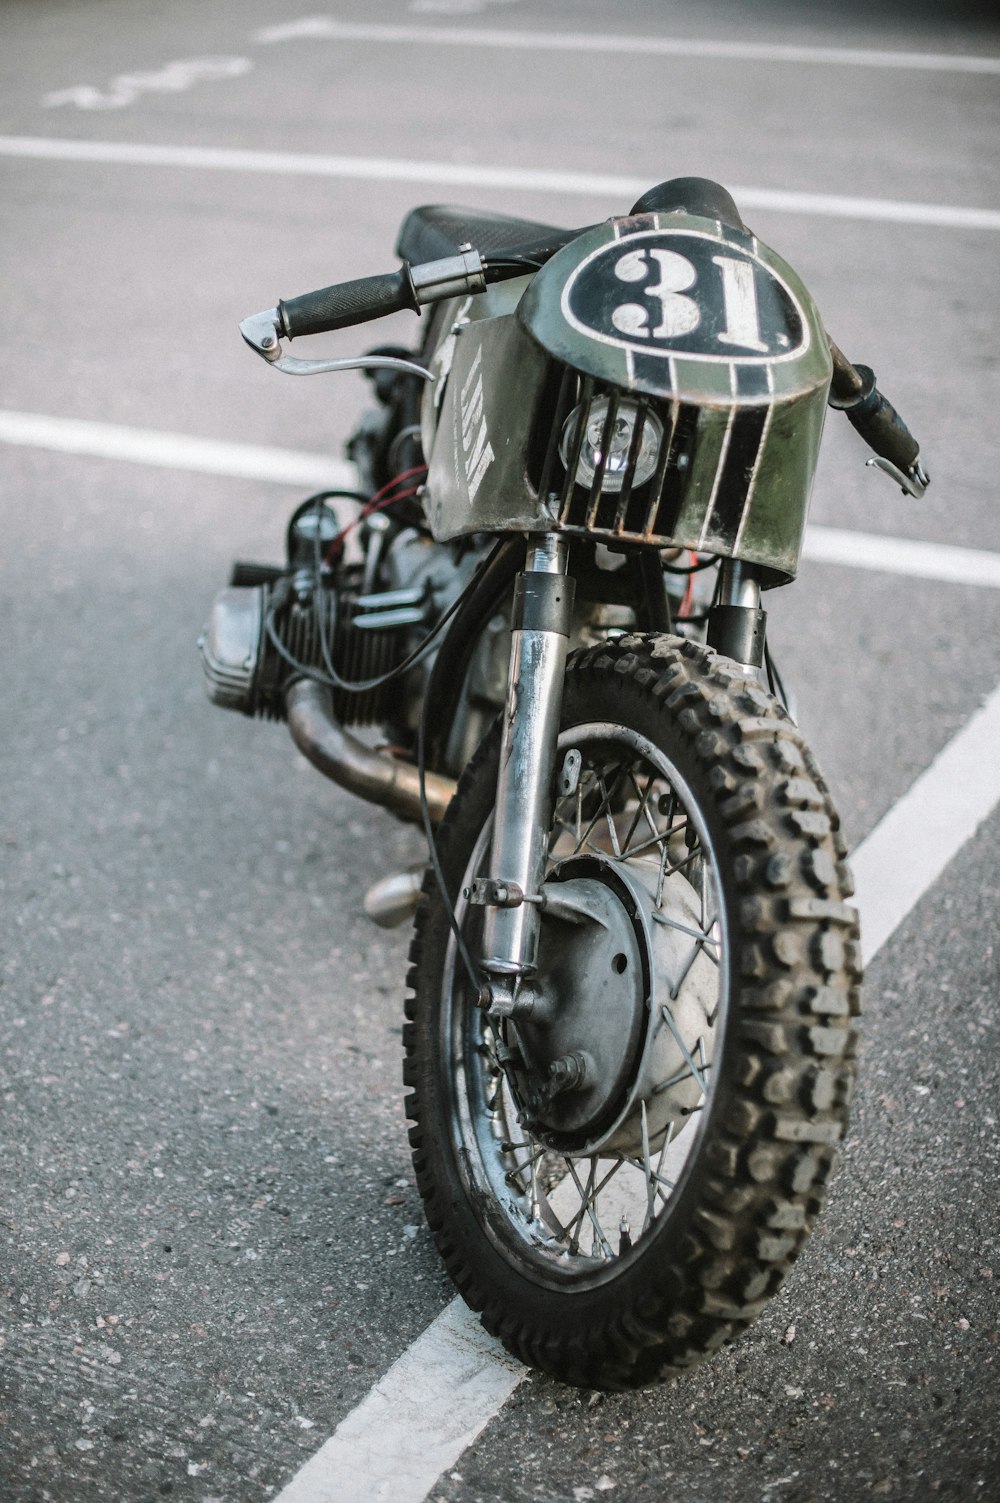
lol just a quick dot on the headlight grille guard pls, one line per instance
(645, 513)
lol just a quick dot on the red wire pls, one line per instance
(417, 469)
(378, 502)
(689, 592)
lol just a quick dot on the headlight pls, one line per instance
(616, 462)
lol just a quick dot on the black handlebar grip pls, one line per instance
(881, 426)
(874, 418)
(347, 303)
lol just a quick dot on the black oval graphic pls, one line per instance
(684, 293)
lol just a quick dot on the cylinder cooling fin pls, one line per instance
(260, 637)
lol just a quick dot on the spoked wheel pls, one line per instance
(620, 1175)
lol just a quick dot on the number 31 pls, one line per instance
(680, 314)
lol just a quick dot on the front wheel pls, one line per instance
(621, 1175)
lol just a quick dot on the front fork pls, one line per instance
(543, 610)
(736, 622)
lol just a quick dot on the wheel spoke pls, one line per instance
(573, 1227)
(669, 871)
(604, 809)
(674, 1080)
(590, 1206)
(641, 810)
(678, 1040)
(585, 1195)
(655, 1178)
(698, 934)
(662, 838)
(648, 1171)
(609, 817)
(668, 1139)
(536, 1210)
(533, 1150)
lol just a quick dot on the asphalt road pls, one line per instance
(212, 1245)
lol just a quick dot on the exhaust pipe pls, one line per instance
(375, 776)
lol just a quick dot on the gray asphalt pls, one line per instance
(212, 1246)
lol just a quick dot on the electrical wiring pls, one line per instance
(326, 631)
(705, 563)
(512, 263)
(432, 851)
(379, 502)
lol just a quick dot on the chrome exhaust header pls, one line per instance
(375, 776)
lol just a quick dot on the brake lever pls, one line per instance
(430, 282)
(262, 333)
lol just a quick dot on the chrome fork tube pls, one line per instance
(739, 585)
(543, 605)
(736, 623)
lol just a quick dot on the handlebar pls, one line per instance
(347, 303)
(853, 388)
(853, 391)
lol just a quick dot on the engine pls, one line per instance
(264, 632)
(360, 615)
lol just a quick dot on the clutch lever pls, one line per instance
(913, 481)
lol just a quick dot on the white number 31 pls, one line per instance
(680, 314)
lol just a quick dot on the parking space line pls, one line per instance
(416, 1421)
(481, 177)
(371, 1452)
(909, 556)
(328, 28)
(174, 451)
(910, 847)
(204, 456)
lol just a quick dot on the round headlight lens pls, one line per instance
(619, 448)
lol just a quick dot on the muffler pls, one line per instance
(393, 900)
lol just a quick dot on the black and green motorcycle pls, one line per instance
(628, 1050)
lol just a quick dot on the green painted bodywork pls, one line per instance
(492, 377)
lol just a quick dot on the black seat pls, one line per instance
(437, 230)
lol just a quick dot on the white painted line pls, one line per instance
(128, 87)
(908, 850)
(180, 451)
(174, 451)
(330, 29)
(890, 555)
(620, 190)
(416, 1421)
(423, 1413)
(883, 210)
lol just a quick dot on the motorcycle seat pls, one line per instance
(437, 230)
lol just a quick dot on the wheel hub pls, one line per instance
(591, 986)
(618, 1042)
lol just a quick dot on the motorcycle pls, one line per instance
(535, 627)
